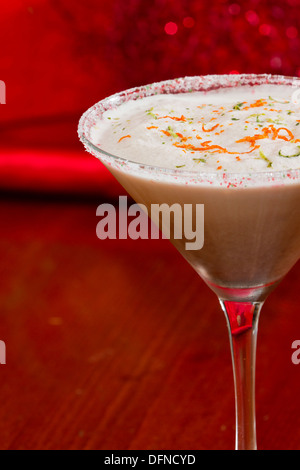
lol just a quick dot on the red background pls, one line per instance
(58, 57)
(92, 362)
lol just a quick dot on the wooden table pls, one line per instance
(119, 345)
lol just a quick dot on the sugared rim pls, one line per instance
(174, 86)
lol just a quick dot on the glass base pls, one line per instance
(252, 294)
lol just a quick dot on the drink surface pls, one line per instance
(226, 146)
(244, 129)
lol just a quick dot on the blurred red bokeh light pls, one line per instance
(58, 57)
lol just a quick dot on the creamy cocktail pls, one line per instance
(231, 143)
(250, 238)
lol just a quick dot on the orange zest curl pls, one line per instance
(291, 135)
(209, 130)
(167, 133)
(183, 139)
(214, 148)
(182, 118)
(266, 132)
(124, 137)
(257, 104)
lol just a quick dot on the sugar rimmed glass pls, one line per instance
(248, 203)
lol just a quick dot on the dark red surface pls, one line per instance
(98, 355)
(102, 357)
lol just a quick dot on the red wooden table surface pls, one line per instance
(119, 345)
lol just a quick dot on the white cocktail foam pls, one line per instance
(209, 137)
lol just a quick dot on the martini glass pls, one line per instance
(252, 227)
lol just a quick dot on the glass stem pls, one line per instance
(242, 321)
